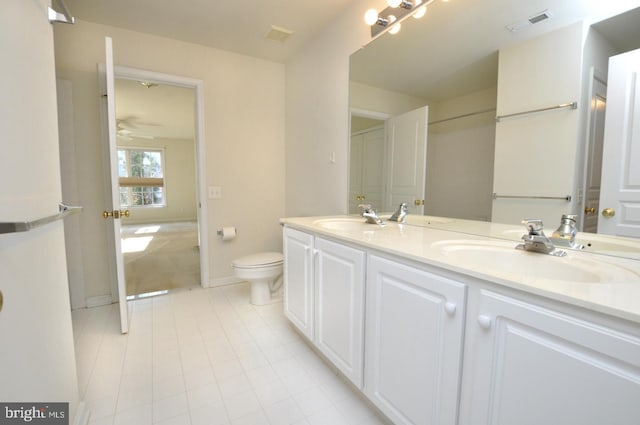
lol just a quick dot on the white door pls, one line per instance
(620, 188)
(112, 198)
(365, 169)
(594, 159)
(406, 160)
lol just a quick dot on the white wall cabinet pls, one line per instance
(339, 306)
(298, 280)
(413, 349)
(529, 365)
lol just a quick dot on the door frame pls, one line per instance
(127, 73)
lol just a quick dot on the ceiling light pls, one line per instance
(421, 10)
(395, 29)
(371, 17)
(397, 11)
(148, 84)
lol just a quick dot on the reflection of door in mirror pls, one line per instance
(620, 193)
(594, 156)
(365, 167)
(405, 160)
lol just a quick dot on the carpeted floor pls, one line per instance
(160, 256)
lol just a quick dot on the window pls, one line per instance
(141, 177)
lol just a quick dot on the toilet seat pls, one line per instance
(262, 259)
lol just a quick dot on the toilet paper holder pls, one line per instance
(227, 233)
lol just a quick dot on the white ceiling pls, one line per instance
(160, 111)
(238, 26)
(453, 49)
(437, 54)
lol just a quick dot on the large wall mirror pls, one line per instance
(462, 66)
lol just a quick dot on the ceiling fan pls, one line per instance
(129, 127)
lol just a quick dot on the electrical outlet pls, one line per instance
(215, 192)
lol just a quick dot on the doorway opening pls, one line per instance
(160, 146)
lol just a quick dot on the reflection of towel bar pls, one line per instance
(562, 198)
(572, 105)
(64, 17)
(24, 226)
(457, 117)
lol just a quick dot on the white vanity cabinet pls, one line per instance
(339, 307)
(324, 297)
(298, 280)
(414, 337)
(529, 365)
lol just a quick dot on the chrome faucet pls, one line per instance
(536, 241)
(367, 211)
(565, 235)
(401, 213)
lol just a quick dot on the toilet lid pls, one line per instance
(257, 260)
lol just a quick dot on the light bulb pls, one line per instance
(395, 29)
(371, 16)
(391, 18)
(394, 3)
(420, 12)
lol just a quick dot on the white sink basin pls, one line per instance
(502, 258)
(355, 223)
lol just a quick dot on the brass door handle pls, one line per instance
(418, 202)
(1, 300)
(115, 214)
(589, 210)
(608, 212)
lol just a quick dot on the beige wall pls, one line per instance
(460, 157)
(317, 115)
(244, 132)
(180, 182)
(373, 99)
(537, 73)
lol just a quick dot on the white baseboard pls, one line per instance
(223, 281)
(98, 301)
(83, 414)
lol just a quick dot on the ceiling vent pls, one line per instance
(538, 17)
(278, 34)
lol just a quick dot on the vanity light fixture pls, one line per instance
(391, 16)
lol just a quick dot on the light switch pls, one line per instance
(215, 192)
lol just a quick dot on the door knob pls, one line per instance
(115, 214)
(608, 212)
(589, 210)
(418, 202)
(1, 301)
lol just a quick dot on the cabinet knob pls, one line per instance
(450, 308)
(484, 321)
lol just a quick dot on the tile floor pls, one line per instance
(206, 356)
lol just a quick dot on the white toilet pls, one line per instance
(264, 272)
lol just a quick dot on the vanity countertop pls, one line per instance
(607, 284)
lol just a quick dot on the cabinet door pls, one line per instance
(414, 337)
(339, 279)
(529, 365)
(298, 280)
